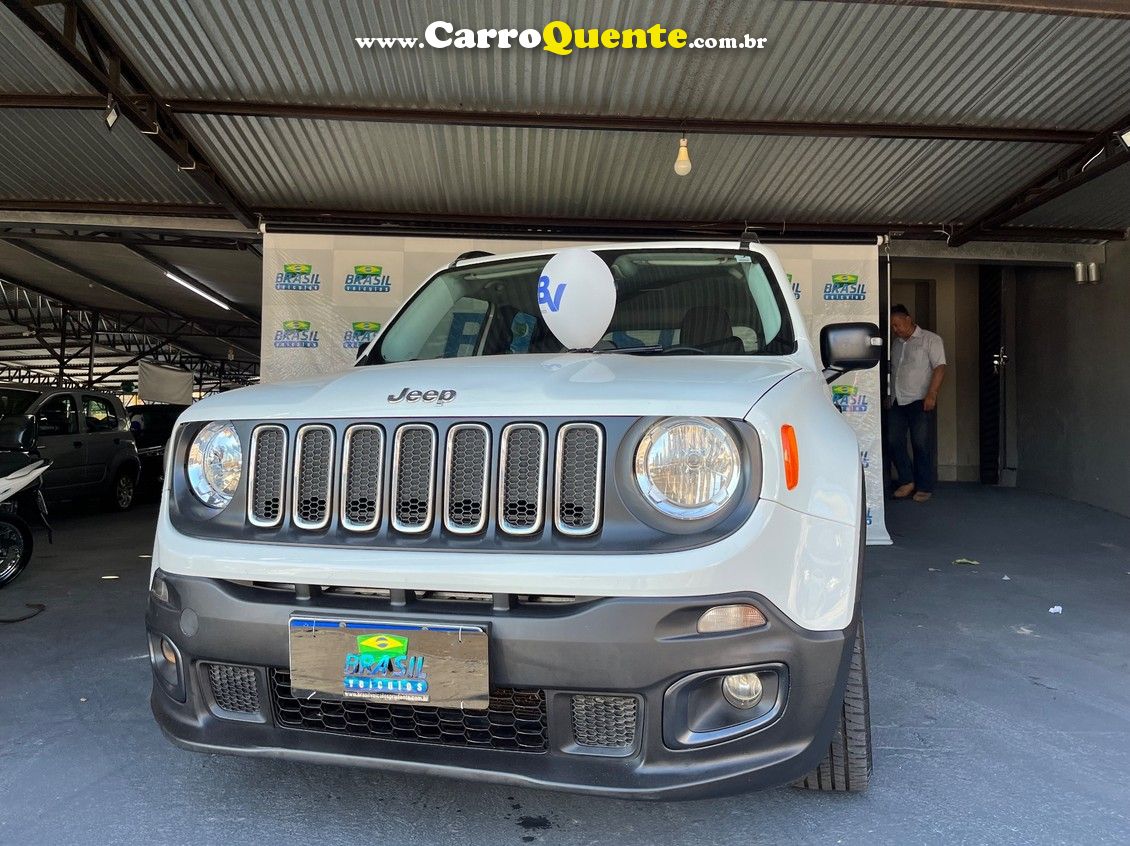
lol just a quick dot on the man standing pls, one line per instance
(918, 365)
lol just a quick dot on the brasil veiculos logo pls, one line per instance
(845, 286)
(360, 333)
(795, 286)
(296, 334)
(381, 664)
(847, 398)
(296, 276)
(368, 279)
(382, 645)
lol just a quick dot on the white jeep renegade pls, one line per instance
(586, 520)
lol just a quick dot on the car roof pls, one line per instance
(634, 245)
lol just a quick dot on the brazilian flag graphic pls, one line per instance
(367, 270)
(362, 326)
(297, 267)
(296, 325)
(844, 279)
(382, 645)
(843, 391)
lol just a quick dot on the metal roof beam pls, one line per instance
(603, 123)
(1072, 170)
(168, 267)
(106, 69)
(111, 341)
(306, 220)
(121, 237)
(117, 289)
(1118, 9)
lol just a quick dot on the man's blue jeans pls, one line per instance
(920, 424)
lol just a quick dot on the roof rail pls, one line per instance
(470, 254)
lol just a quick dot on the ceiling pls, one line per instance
(961, 120)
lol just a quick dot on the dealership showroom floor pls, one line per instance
(994, 720)
(565, 340)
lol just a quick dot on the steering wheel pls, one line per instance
(683, 348)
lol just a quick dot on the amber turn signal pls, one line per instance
(791, 456)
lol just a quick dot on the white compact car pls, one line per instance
(586, 520)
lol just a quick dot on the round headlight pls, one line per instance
(214, 464)
(688, 467)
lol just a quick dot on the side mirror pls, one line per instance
(849, 346)
(19, 432)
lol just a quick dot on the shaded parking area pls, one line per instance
(994, 720)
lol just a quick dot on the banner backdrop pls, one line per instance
(326, 295)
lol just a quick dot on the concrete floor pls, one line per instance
(995, 721)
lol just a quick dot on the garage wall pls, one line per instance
(1071, 363)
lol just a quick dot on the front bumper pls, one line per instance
(643, 648)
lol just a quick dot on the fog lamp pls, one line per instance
(742, 690)
(160, 589)
(728, 618)
(168, 651)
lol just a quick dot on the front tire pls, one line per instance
(15, 548)
(124, 490)
(847, 766)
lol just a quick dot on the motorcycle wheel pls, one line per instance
(15, 547)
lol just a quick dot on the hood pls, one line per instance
(571, 384)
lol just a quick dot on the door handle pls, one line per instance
(78, 444)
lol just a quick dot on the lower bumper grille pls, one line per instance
(607, 722)
(234, 688)
(514, 721)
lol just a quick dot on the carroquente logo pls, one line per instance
(561, 38)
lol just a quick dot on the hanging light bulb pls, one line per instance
(683, 160)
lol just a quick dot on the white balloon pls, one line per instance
(577, 295)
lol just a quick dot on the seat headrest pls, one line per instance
(703, 324)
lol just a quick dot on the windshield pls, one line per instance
(692, 302)
(14, 401)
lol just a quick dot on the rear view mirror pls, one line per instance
(849, 346)
(19, 432)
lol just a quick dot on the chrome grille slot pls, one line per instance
(579, 478)
(413, 478)
(521, 477)
(362, 472)
(313, 476)
(268, 476)
(466, 477)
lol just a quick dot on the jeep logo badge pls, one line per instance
(438, 397)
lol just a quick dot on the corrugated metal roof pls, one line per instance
(128, 271)
(29, 66)
(237, 274)
(17, 266)
(71, 155)
(1103, 203)
(564, 173)
(825, 61)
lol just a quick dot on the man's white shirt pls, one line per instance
(912, 364)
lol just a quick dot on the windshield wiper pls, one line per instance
(650, 349)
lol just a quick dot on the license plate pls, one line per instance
(409, 663)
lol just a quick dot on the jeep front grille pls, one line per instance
(520, 501)
(413, 478)
(313, 476)
(268, 465)
(466, 477)
(580, 447)
(362, 477)
(461, 479)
